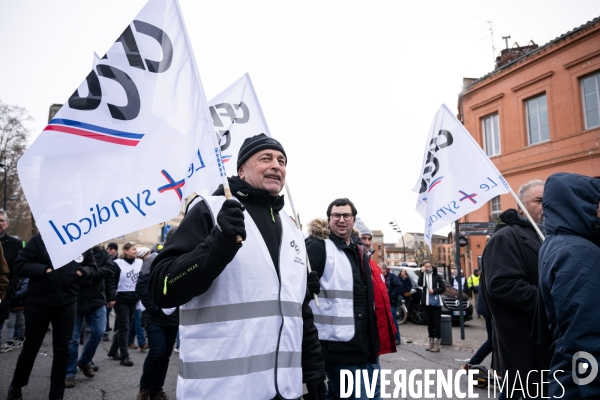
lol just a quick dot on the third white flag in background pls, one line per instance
(457, 177)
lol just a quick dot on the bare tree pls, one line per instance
(13, 143)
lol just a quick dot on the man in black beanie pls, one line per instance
(246, 328)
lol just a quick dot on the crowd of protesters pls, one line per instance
(535, 288)
(73, 302)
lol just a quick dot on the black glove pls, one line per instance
(316, 390)
(312, 281)
(230, 220)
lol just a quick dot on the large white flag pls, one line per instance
(457, 176)
(129, 145)
(236, 115)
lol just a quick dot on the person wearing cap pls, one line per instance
(386, 288)
(113, 250)
(96, 294)
(246, 328)
(346, 317)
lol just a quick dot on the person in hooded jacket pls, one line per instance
(96, 293)
(509, 288)
(569, 267)
(433, 286)
(51, 298)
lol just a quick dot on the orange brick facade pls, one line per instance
(555, 70)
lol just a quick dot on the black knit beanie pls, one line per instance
(257, 143)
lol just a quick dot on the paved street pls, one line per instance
(114, 382)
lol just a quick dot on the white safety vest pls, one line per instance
(129, 274)
(334, 318)
(242, 338)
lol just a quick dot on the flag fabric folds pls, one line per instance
(129, 145)
(236, 115)
(457, 177)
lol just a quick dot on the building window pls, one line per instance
(537, 119)
(491, 135)
(496, 209)
(591, 100)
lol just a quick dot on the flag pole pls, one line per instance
(238, 239)
(537, 229)
(297, 221)
(459, 279)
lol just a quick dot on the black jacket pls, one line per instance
(11, 247)
(198, 242)
(510, 290)
(437, 284)
(96, 291)
(153, 314)
(569, 267)
(394, 287)
(364, 346)
(59, 287)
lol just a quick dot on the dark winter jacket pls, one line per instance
(96, 291)
(10, 247)
(17, 302)
(4, 275)
(569, 268)
(509, 282)
(364, 346)
(59, 287)
(153, 314)
(199, 242)
(437, 284)
(407, 286)
(394, 287)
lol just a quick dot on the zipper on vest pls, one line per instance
(165, 286)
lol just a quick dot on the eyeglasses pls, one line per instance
(336, 216)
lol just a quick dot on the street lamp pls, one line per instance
(395, 227)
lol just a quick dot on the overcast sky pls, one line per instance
(350, 88)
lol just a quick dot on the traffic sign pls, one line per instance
(463, 241)
(477, 225)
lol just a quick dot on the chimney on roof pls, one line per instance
(507, 55)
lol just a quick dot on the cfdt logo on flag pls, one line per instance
(125, 78)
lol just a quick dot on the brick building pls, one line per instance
(536, 114)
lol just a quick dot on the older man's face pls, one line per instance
(265, 169)
(3, 224)
(533, 203)
(366, 239)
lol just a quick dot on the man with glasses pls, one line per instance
(346, 316)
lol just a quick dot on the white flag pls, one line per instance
(130, 143)
(236, 115)
(457, 176)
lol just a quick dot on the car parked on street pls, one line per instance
(450, 300)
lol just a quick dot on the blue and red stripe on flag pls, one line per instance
(94, 132)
